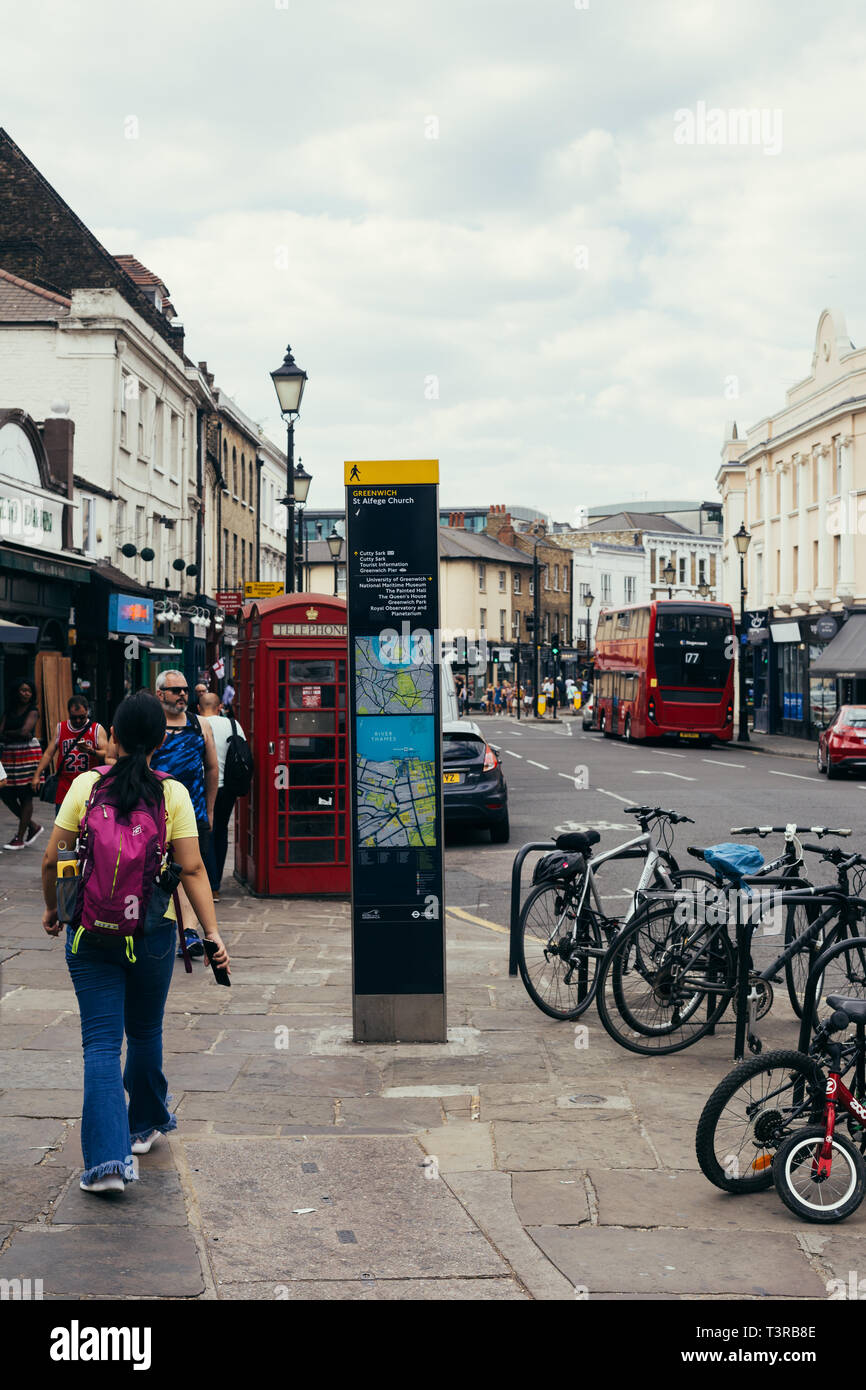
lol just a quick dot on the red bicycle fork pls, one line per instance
(837, 1094)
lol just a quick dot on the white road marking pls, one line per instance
(719, 762)
(661, 753)
(799, 776)
(567, 775)
(543, 766)
(513, 755)
(657, 772)
(626, 800)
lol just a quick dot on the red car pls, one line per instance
(842, 745)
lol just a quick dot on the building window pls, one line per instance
(814, 564)
(515, 626)
(341, 580)
(795, 485)
(702, 570)
(87, 530)
(517, 581)
(796, 568)
(682, 569)
(556, 578)
(606, 588)
(482, 579)
(547, 576)
(532, 586)
(546, 627)
(120, 536)
(584, 589)
(483, 619)
(503, 616)
(837, 466)
(224, 578)
(630, 585)
(176, 444)
(158, 437)
(565, 579)
(243, 478)
(502, 581)
(252, 495)
(123, 389)
(837, 557)
(235, 553)
(143, 408)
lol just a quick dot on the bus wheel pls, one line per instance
(602, 724)
(626, 733)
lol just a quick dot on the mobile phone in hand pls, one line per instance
(221, 975)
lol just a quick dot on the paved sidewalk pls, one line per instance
(514, 1162)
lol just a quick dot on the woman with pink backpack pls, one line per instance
(128, 836)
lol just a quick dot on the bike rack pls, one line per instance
(812, 985)
(516, 868)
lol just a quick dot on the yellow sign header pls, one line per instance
(405, 471)
(263, 590)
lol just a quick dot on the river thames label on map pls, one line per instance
(395, 782)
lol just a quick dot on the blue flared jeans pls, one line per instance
(117, 998)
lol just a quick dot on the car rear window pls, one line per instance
(457, 748)
(854, 718)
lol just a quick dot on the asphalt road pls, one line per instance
(719, 787)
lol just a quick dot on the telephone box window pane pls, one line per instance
(311, 852)
(311, 774)
(312, 722)
(312, 748)
(315, 671)
(311, 825)
(312, 799)
(311, 696)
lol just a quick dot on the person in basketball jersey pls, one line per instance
(79, 744)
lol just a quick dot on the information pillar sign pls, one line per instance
(398, 914)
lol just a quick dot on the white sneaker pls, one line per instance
(143, 1146)
(112, 1183)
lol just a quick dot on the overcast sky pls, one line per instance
(479, 223)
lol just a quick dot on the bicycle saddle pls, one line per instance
(576, 842)
(854, 1008)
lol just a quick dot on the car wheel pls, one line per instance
(821, 767)
(500, 832)
(832, 772)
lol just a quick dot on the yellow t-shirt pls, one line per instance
(180, 817)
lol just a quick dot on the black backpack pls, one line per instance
(239, 766)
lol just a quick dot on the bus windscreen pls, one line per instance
(693, 649)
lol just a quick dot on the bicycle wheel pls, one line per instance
(846, 973)
(656, 976)
(817, 1197)
(751, 1113)
(554, 961)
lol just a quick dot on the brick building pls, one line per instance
(554, 583)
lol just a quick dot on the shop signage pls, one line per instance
(398, 915)
(792, 705)
(49, 569)
(311, 696)
(826, 629)
(230, 600)
(310, 629)
(29, 519)
(268, 590)
(127, 613)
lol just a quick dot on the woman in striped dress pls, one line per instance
(21, 752)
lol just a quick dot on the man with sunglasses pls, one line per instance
(188, 754)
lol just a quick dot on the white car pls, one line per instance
(587, 711)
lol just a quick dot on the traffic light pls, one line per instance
(530, 623)
(554, 645)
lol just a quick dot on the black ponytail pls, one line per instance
(139, 728)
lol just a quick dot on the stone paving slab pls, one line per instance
(379, 1290)
(311, 1076)
(558, 1198)
(200, 1071)
(103, 1261)
(402, 1225)
(266, 1108)
(64, 1104)
(26, 1141)
(27, 1069)
(683, 1199)
(25, 1193)
(694, 1262)
(586, 1137)
(155, 1200)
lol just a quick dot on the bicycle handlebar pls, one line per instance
(762, 830)
(835, 856)
(658, 813)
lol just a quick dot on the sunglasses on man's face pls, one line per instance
(176, 689)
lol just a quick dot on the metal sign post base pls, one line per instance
(395, 1018)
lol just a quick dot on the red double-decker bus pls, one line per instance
(666, 669)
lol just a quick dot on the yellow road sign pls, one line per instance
(267, 590)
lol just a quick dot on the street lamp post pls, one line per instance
(741, 541)
(289, 382)
(669, 575)
(335, 545)
(301, 488)
(588, 600)
(535, 625)
(704, 589)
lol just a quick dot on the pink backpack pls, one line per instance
(120, 860)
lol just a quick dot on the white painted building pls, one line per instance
(134, 402)
(613, 574)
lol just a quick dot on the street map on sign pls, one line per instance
(396, 782)
(393, 676)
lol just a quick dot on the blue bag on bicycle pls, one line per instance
(734, 860)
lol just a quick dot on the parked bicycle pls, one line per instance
(664, 965)
(776, 1119)
(564, 931)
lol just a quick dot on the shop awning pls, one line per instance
(50, 564)
(159, 648)
(846, 654)
(17, 632)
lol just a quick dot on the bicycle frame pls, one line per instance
(838, 1096)
(656, 864)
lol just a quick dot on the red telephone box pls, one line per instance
(292, 834)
